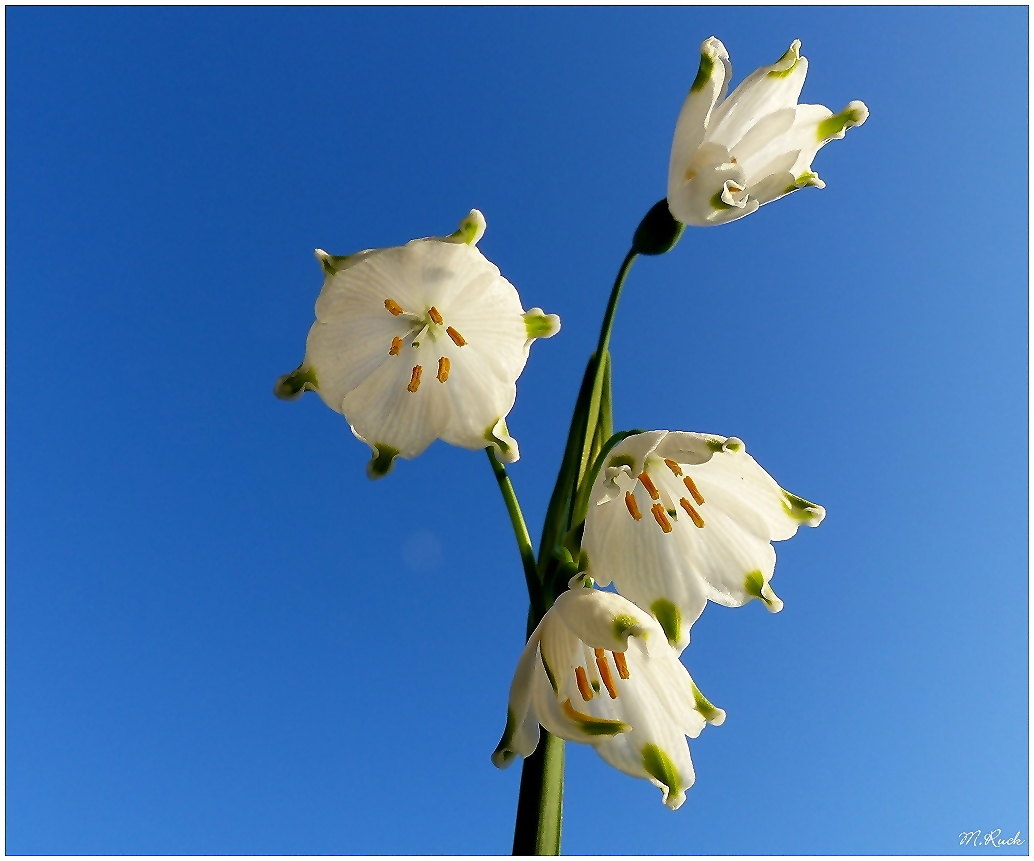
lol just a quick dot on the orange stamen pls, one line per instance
(698, 521)
(608, 679)
(674, 467)
(633, 508)
(396, 345)
(443, 369)
(393, 306)
(583, 683)
(432, 312)
(661, 518)
(457, 338)
(649, 485)
(619, 662)
(692, 488)
(414, 383)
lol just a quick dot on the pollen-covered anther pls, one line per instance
(692, 488)
(649, 485)
(632, 505)
(674, 467)
(457, 338)
(604, 667)
(661, 517)
(432, 312)
(414, 382)
(443, 369)
(393, 307)
(698, 521)
(583, 683)
(396, 345)
(619, 662)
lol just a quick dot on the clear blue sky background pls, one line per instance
(222, 638)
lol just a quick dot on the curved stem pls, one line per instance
(520, 531)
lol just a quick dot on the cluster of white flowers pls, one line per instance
(426, 341)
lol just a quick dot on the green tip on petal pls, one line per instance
(382, 461)
(505, 445)
(788, 62)
(754, 585)
(625, 626)
(503, 756)
(540, 325)
(705, 70)
(331, 263)
(660, 767)
(591, 725)
(669, 618)
(291, 386)
(801, 510)
(711, 713)
(471, 229)
(835, 126)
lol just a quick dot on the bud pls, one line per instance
(658, 232)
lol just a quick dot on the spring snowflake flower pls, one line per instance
(730, 157)
(675, 519)
(419, 342)
(599, 670)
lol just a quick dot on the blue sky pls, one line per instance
(222, 638)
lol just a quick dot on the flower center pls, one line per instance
(427, 325)
(660, 510)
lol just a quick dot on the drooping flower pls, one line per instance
(730, 157)
(598, 670)
(419, 342)
(677, 519)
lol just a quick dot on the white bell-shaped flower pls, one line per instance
(730, 157)
(419, 342)
(675, 519)
(598, 670)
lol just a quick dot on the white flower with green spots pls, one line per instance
(730, 157)
(419, 342)
(598, 670)
(676, 519)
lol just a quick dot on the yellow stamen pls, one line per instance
(583, 683)
(692, 488)
(457, 338)
(633, 508)
(393, 306)
(432, 312)
(619, 662)
(645, 479)
(443, 369)
(414, 383)
(698, 521)
(608, 679)
(396, 345)
(674, 467)
(661, 518)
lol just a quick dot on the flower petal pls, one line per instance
(602, 620)
(766, 91)
(711, 81)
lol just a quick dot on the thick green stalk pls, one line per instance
(540, 807)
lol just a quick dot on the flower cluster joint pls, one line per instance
(419, 342)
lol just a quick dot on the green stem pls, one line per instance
(520, 531)
(540, 807)
(601, 350)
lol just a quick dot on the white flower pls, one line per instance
(729, 158)
(598, 670)
(419, 342)
(675, 519)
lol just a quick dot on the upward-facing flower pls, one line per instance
(598, 670)
(730, 157)
(419, 342)
(677, 519)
